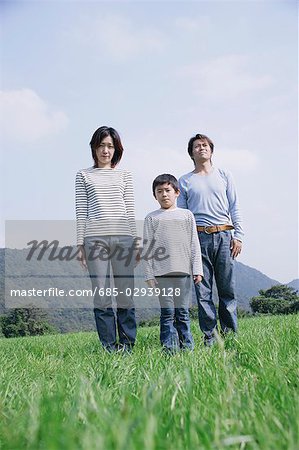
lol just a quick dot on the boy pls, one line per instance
(173, 230)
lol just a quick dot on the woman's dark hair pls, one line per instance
(199, 136)
(97, 137)
(165, 178)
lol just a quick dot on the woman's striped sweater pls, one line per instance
(104, 203)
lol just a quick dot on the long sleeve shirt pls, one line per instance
(212, 198)
(173, 230)
(104, 203)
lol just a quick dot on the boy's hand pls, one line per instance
(152, 283)
(197, 278)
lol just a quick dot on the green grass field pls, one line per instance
(64, 392)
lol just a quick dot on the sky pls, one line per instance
(159, 72)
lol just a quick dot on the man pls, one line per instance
(209, 192)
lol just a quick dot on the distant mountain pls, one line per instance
(73, 314)
(294, 284)
(248, 282)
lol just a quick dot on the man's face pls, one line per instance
(166, 195)
(201, 150)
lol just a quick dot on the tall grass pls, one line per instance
(65, 392)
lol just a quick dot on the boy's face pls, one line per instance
(166, 195)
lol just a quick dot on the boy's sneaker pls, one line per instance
(170, 350)
(187, 348)
(209, 342)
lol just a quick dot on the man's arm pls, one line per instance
(234, 210)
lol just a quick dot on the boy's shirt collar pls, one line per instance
(168, 209)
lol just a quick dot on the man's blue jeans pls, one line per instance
(175, 298)
(217, 261)
(106, 253)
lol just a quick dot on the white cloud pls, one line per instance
(225, 77)
(26, 117)
(236, 160)
(156, 161)
(190, 24)
(119, 38)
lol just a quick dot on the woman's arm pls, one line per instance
(81, 207)
(130, 204)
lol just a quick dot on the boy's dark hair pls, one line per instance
(165, 178)
(97, 137)
(199, 136)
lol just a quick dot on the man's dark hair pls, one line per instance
(97, 137)
(201, 137)
(165, 178)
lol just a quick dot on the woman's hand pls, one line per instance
(82, 257)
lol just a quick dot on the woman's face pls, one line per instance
(105, 152)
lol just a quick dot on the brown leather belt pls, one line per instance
(214, 228)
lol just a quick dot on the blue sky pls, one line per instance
(158, 72)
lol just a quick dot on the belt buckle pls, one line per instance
(205, 229)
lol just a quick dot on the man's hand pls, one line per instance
(152, 283)
(235, 247)
(82, 257)
(197, 279)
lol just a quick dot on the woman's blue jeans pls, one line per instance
(106, 260)
(218, 263)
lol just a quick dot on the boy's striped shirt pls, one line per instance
(175, 231)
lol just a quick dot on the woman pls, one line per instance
(106, 230)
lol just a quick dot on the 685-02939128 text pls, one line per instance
(140, 292)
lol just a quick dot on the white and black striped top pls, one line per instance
(173, 230)
(104, 203)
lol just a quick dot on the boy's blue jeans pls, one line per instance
(175, 332)
(217, 261)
